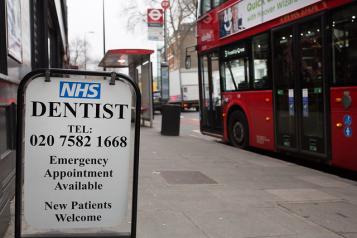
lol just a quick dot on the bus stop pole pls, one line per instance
(104, 69)
(165, 36)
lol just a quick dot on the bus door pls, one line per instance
(211, 103)
(299, 88)
(343, 89)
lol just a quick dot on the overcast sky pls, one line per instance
(85, 16)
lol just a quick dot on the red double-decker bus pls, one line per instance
(281, 75)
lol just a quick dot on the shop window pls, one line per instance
(344, 46)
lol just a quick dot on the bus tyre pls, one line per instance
(238, 132)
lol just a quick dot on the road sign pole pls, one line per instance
(165, 4)
(165, 36)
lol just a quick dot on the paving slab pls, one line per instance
(348, 194)
(165, 223)
(256, 222)
(237, 198)
(350, 235)
(327, 181)
(302, 195)
(255, 196)
(339, 217)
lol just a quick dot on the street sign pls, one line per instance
(155, 17)
(75, 144)
(155, 33)
(165, 4)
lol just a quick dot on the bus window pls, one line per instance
(344, 43)
(260, 49)
(235, 74)
(216, 3)
(216, 90)
(205, 6)
(206, 102)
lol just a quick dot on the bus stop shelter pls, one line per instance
(139, 66)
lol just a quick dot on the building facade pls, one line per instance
(183, 83)
(33, 35)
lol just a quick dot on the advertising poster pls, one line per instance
(249, 13)
(165, 83)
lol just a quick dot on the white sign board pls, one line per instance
(76, 153)
(155, 33)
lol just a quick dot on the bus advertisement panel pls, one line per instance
(249, 13)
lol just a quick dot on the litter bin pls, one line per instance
(170, 122)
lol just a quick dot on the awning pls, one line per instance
(122, 58)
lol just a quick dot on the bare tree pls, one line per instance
(136, 15)
(78, 49)
(181, 19)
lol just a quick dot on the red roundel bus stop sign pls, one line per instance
(155, 17)
(165, 4)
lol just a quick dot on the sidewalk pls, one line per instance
(193, 186)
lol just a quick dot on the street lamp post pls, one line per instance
(165, 4)
(85, 48)
(103, 32)
(165, 36)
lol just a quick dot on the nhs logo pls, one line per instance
(79, 90)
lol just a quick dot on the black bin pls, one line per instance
(170, 123)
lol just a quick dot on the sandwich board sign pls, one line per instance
(76, 141)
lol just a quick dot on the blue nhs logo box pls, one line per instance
(79, 90)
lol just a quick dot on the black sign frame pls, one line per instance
(47, 73)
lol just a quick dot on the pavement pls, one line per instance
(194, 186)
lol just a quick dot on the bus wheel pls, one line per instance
(238, 129)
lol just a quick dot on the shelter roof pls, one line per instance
(122, 58)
